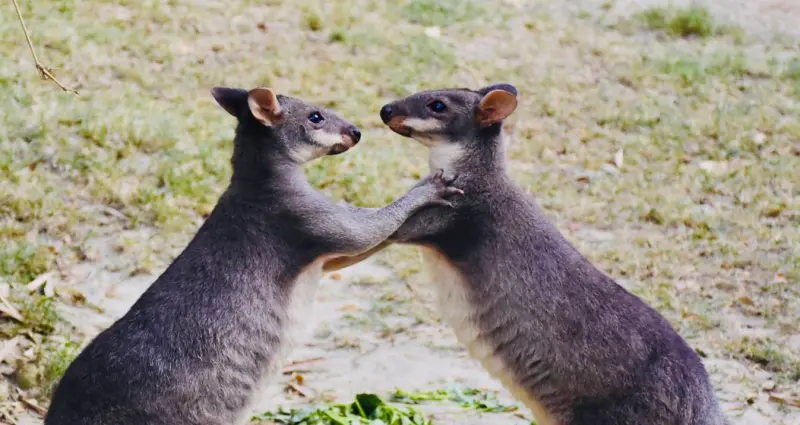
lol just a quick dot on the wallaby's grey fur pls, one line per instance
(207, 335)
(561, 335)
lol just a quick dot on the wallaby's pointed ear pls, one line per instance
(264, 106)
(232, 100)
(497, 104)
(498, 86)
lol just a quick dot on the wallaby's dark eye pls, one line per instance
(316, 118)
(437, 106)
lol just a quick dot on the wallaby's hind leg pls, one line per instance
(627, 410)
(649, 407)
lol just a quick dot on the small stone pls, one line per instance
(433, 32)
(768, 386)
(547, 155)
(759, 138)
(27, 376)
(610, 169)
(618, 158)
(5, 392)
(714, 167)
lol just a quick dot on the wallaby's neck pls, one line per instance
(258, 171)
(483, 155)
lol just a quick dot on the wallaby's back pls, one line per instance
(205, 333)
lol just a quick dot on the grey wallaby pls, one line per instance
(213, 328)
(569, 342)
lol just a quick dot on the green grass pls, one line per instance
(687, 21)
(442, 13)
(702, 214)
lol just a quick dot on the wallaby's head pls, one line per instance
(286, 125)
(435, 117)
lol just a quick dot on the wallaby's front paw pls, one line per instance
(438, 188)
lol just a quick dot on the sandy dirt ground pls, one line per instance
(372, 332)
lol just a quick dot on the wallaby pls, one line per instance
(215, 326)
(574, 346)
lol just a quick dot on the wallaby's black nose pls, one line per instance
(355, 134)
(386, 113)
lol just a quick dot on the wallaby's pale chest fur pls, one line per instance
(300, 306)
(455, 306)
(296, 318)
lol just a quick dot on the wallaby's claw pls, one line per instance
(441, 188)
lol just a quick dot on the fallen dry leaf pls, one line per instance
(745, 299)
(40, 280)
(349, 307)
(9, 310)
(8, 347)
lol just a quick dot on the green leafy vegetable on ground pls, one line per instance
(468, 398)
(366, 409)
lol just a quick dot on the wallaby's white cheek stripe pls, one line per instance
(421, 125)
(305, 153)
(325, 138)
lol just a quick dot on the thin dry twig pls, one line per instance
(785, 399)
(305, 361)
(44, 72)
(32, 405)
(298, 389)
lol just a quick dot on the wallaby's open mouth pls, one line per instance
(338, 148)
(347, 143)
(397, 125)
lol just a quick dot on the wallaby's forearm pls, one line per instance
(359, 231)
(344, 262)
(351, 231)
(427, 222)
(421, 224)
